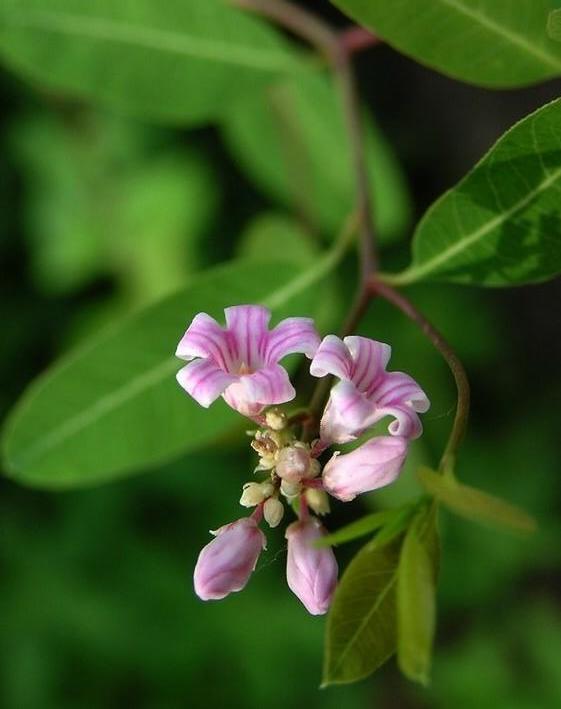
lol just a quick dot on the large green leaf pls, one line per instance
(184, 60)
(474, 504)
(292, 141)
(416, 601)
(494, 43)
(501, 225)
(114, 407)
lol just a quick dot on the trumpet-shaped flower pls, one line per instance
(241, 361)
(225, 564)
(366, 392)
(311, 571)
(372, 465)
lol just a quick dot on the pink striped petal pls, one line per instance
(290, 336)
(370, 359)
(205, 338)
(374, 464)
(332, 357)
(204, 381)
(248, 333)
(253, 392)
(401, 397)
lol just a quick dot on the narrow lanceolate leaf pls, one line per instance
(361, 625)
(494, 43)
(416, 602)
(355, 530)
(474, 504)
(554, 25)
(114, 407)
(184, 60)
(291, 139)
(361, 632)
(501, 225)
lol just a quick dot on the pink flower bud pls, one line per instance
(311, 572)
(225, 564)
(293, 463)
(374, 464)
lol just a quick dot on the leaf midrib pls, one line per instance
(107, 30)
(161, 371)
(416, 272)
(366, 620)
(500, 30)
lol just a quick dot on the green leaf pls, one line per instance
(114, 407)
(276, 236)
(474, 504)
(361, 632)
(501, 225)
(554, 25)
(185, 63)
(354, 530)
(416, 602)
(291, 140)
(493, 43)
(361, 625)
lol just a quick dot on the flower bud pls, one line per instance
(252, 495)
(311, 572)
(290, 490)
(273, 511)
(293, 463)
(317, 500)
(374, 464)
(225, 564)
(275, 419)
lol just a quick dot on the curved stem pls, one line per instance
(328, 42)
(448, 458)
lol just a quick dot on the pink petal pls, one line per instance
(374, 464)
(332, 357)
(370, 359)
(205, 338)
(400, 396)
(225, 564)
(290, 336)
(248, 333)
(311, 572)
(253, 392)
(204, 380)
(347, 414)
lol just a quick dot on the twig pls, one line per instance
(448, 458)
(327, 41)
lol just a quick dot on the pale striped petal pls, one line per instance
(291, 336)
(205, 338)
(346, 415)
(204, 380)
(248, 333)
(332, 357)
(370, 359)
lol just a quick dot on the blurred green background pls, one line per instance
(101, 214)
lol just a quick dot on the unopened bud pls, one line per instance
(253, 494)
(273, 511)
(293, 463)
(275, 419)
(317, 500)
(290, 489)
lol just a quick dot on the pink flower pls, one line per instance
(225, 564)
(366, 393)
(311, 572)
(374, 464)
(240, 361)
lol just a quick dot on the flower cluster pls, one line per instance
(240, 362)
